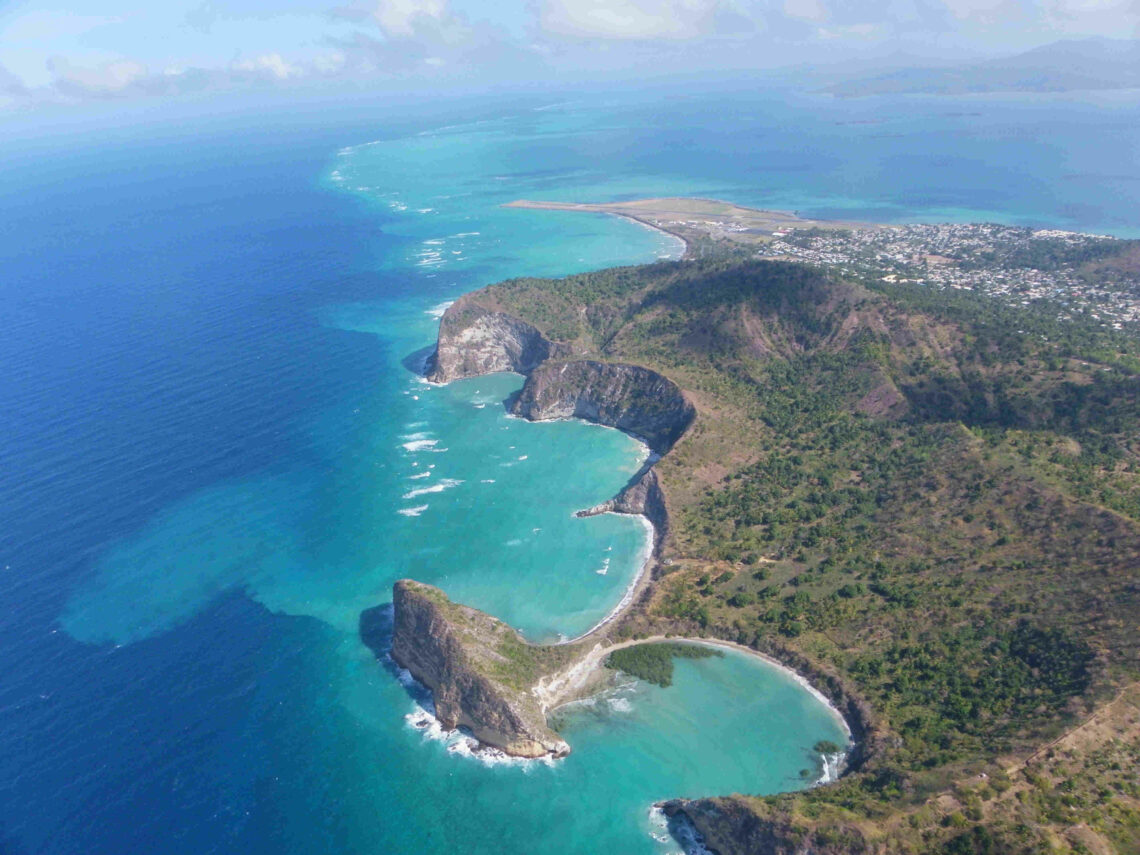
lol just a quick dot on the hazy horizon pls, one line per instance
(119, 52)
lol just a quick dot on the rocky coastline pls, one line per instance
(434, 638)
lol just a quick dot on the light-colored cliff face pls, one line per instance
(474, 341)
(480, 671)
(628, 397)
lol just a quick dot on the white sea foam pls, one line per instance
(433, 242)
(683, 833)
(465, 234)
(831, 765)
(445, 484)
(420, 445)
(621, 705)
(459, 744)
(487, 481)
(421, 475)
(412, 512)
(437, 310)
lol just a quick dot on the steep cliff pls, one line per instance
(730, 826)
(628, 397)
(474, 340)
(480, 671)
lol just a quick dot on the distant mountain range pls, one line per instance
(1084, 64)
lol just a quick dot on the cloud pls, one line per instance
(403, 18)
(629, 19)
(454, 41)
(425, 21)
(202, 18)
(268, 64)
(105, 80)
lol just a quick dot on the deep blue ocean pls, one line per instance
(213, 456)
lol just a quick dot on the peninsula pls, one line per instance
(924, 499)
(696, 221)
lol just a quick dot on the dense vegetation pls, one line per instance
(933, 496)
(654, 662)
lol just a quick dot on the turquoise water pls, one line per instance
(405, 478)
(219, 456)
(440, 484)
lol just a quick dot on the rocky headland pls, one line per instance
(727, 826)
(479, 670)
(474, 340)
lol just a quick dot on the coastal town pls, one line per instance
(1019, 264)
(1080, 274)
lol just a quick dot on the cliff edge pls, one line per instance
(729, 826)
(474, 340)
(628, 397)
(480, 671)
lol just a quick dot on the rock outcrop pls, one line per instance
(728, 826)
(643, 496)
(480, 671)
(474, 340)
(627, 397)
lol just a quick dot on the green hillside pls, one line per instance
(933, 496)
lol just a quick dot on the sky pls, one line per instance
(54, 53)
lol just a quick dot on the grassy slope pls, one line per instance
(494, 649)
(934, 495)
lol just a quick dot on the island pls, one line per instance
(924, 499)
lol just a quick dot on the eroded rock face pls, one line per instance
(729, 827)
(477, 668)
(475, 341)
(627, 397)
